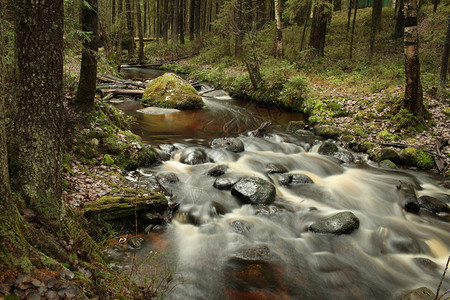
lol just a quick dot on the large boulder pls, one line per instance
(328, 148)
(433, 204)
(254, 190)
(171, 91)
(341, 223)
(193, 156)
(329, 132)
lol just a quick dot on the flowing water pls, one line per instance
(226, 250)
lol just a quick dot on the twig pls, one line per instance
(442, 279)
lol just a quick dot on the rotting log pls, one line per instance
(123, 92)
(109, 208)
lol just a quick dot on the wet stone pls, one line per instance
(301, 179)
(135, 242)
(344, 156)
(273, 168)
(231, 144)
(254, 190)
(422, 293)
(261, 253)
(241, 227)
(66, 275)
(225, 183)
(194, 156)
(217, 171)
(433, 205)
(168, 177)
(328, 148)
(282, 179)
(341, 223)
(426, 264)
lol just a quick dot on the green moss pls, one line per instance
(387, 136)
(108, 160)
(414, 157)
(327, 131)
(171, 91)
(366, 146)
(446, 111)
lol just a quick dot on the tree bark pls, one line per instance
(308, 13)
(376, 15)
(239, 34)
(191, 19)
(321, 15)
(400, 22)
(279, 32)
(88, 73)
(129, 41)
(349, 14)
(413, 101)
(181, 21)
(337, 5)
(444, 60)
(140, 32)
(38, 109)
(353, 29)
(176, 12)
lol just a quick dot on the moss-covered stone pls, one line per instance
(328, 132)
(387, 164)
(108, 160)
(446, 111)
(119, 207)
(418, 158)
(171, 91)
(366, 146)
(295, 125)
(328, 148)
(380, 154)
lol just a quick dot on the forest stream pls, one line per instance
(219, 248)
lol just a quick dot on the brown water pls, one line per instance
(392, 251)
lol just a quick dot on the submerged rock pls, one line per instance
(226, 182)
(422, 293)
(273, 168)
(341, 223)
(171, 91)
(167, 177)
(241, 227)
(193, 156)
(254, 190)
(295, 125)
(300, 179)
(328, 148)
(408, 197)
(231, 144)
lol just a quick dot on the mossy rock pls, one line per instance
(128, 160)
(110, 208)
(380, 154)
(446, 111)
(366, 146)
(295, 125)
(387, 164)
(326, 131)
(328, 148)
(171, 91)
(418, 158)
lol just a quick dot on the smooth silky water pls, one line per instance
(392, 251)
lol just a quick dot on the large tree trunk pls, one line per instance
(321, 15)
(140, 32)
(444, 60)
(239, 34)
(413, 101)
(279, 32)
(38, 109)
(88, 72)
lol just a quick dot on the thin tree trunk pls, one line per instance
(377, 4)
(353, 30)
(279, 32)
(129, 41)
(400, 24)
(337, 5)
(413, 101)
(191, 19)
(239, 34)
(176, 12)
(159, 22)
(145, 18)
(435, 5)
(140, 33)
(181, 21)
(444, 60)
(349, 14)
(113, 11)
(38, 109)
(302, 42)
(88, 73)
(165, 21)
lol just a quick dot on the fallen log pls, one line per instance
(261, 131)
(123, 92)
(112, 79)
(146, 66)
(110, 208)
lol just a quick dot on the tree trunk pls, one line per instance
(400, 23)
(140, 32)
(444, 60)
(279, 32)
(146, 18)
(413, 101)
(321, 15)
(353, 29)
(165, 21)
(38, 109)
(129, 41)
(376, 14)
(239, 34)
(308, 13)
(88, 73)
(181, 21)
(337, 5)
(176, 12)
(113, 11)
(349, 14)
(435, 5)
(191, 19)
